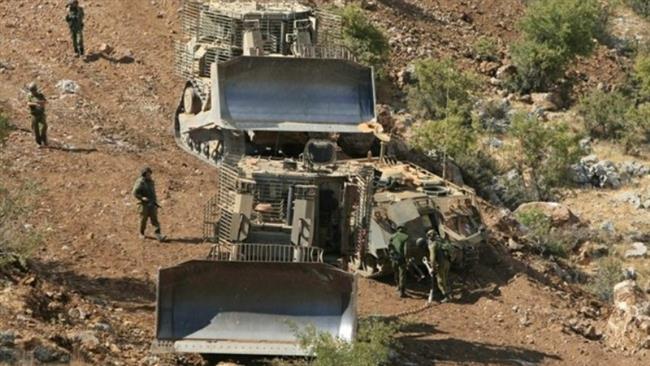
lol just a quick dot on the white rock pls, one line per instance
(637, 250)
(67, 87)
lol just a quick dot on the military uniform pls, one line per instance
(75, 19)
(144, 191)
(441, 254)
(37, 110)
(397, 249)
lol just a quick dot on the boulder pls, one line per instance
(546, 101)
(51, 354)
(506, 71)
(628, 326)
(559, 214)
(637, 250)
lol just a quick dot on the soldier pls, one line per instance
(397, 252)
(75, 19)
(36, 103)
(441, 254)
(145, 191)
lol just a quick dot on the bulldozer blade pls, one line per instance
(251, 308)
(292, 94)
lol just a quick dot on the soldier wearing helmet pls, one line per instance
(36, 103)
(75, 20)
(397, 252)
(144, 191)
(441, 253)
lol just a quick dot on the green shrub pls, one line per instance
(609, 274)
(367, 42)
(554, 33)
(604, 113)
(641, 7)
(642, 73)
(545, 151)
(485, 49)
(637, 128)
(458, 139)
(538, 66)
(5, 129)
(441, 90)
(370, 348)
(16, 241)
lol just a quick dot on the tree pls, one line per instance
(554, 32)
(441, 90)
(367, 42)
(545, 151)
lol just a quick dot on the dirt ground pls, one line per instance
(94, 269)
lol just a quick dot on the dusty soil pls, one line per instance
(92, 268)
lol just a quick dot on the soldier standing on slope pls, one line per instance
(144, 191)
(36, 103)
(75, 19)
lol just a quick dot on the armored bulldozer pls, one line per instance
(279, 107)
(265, 102)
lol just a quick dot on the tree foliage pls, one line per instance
(554, 32)
(367, 42)
(545, 151)
(441, 90)
(604, 113)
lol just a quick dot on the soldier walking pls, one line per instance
(36, 103)
(144, 191)
(75, 19)
(397, 252)
(441, 254)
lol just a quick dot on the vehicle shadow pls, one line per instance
(94, 56)
(183, 240)
(462, 352)
(139, 292)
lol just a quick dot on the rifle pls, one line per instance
(410, 264)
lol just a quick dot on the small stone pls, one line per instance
(67, 87)
(607, 226)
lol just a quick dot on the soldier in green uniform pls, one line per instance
(144, 191)
(397, 252)
(36, 103)
(75, 19)
(441, 254)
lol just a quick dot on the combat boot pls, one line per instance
(160, 237)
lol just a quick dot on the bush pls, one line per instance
(16, 241)
(538, 66)
(642, 72)
(441, 90)
(609, 274)
(545, 151)
(370, 348)
(485, 49)
(367, 42)
(541, 235)
(554, 33)
(604, 113)
(5, 129)
(458, 139)
(637, 128)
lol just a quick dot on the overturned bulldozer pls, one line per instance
(409, 196)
